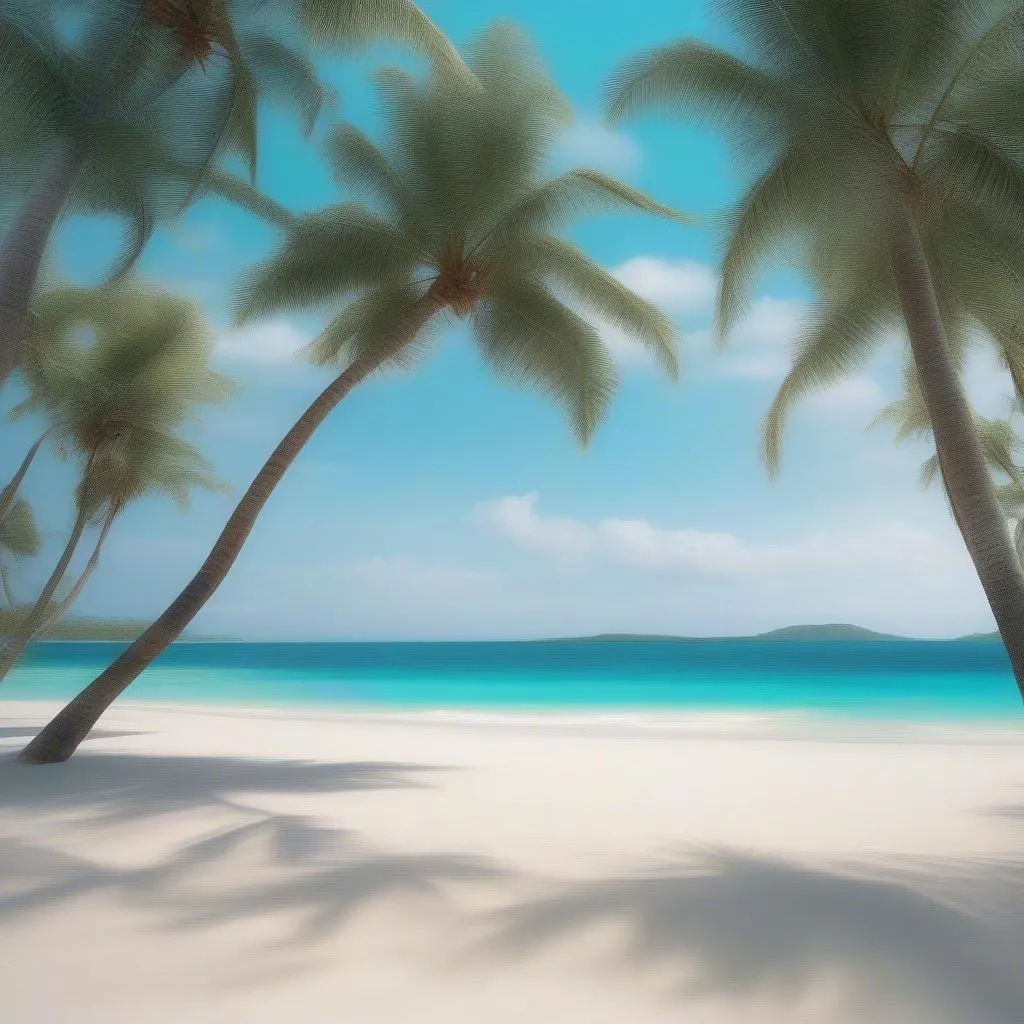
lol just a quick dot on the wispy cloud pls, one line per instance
(591, 144)
(880, 549)
(679, 286)
(278, 341)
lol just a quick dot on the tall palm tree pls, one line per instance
(118, 403)
(460, 222)
(887, 152)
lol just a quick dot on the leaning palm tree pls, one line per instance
(887, 152)
(460, 222)
(116, 403)
(133, 463)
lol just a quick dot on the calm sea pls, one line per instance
(912, 680)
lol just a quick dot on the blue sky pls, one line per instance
(444, 504)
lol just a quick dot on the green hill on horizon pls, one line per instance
(806, 633)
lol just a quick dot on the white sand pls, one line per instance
(193, 866)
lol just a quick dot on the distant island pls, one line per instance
(827, 632)
(127, 630)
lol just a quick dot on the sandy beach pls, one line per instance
(215, 865)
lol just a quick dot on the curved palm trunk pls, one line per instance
(32, 622)
(972, 495)
(61, 737)
(22, 251)
(10, 492)
(58, 611)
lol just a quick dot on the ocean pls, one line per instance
(911, 680)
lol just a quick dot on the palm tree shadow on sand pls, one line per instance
(106, 788)
(942, 943)
(310, 874)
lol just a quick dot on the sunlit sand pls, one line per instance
(211, 865)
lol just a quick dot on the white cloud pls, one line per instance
(278, 341)
(770, 323)
(590, 144)
(678, 286)
(760, 346)
(876, 550)
(515, 517)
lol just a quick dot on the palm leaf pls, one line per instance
(376, 325)
(348, 25)
(359, 165)
(572, 196)
(285, 75)
(835, 345)
(325, 256)
(527, 336)
(692, 79)
(570, 270)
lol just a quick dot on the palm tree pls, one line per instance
(117, 403)
(461, 222)
(133, 117)
(128, 466)
(888, 166)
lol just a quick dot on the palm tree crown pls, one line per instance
(118, 401)
(846, 111)
(140, 372)
(458, 213)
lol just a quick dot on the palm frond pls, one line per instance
(692, 79)
(528, 337)
(141, 226)
(286, 75)
(359, 165)
(835, 345)
(570, 197)
(325, 256)
(377, 324)
(779, 208)
(348, 25)
(224, 185)
(571, 271)
(972, 168)
(930, 470)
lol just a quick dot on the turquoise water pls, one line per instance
(907, 679)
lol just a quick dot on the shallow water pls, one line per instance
(916, 680)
